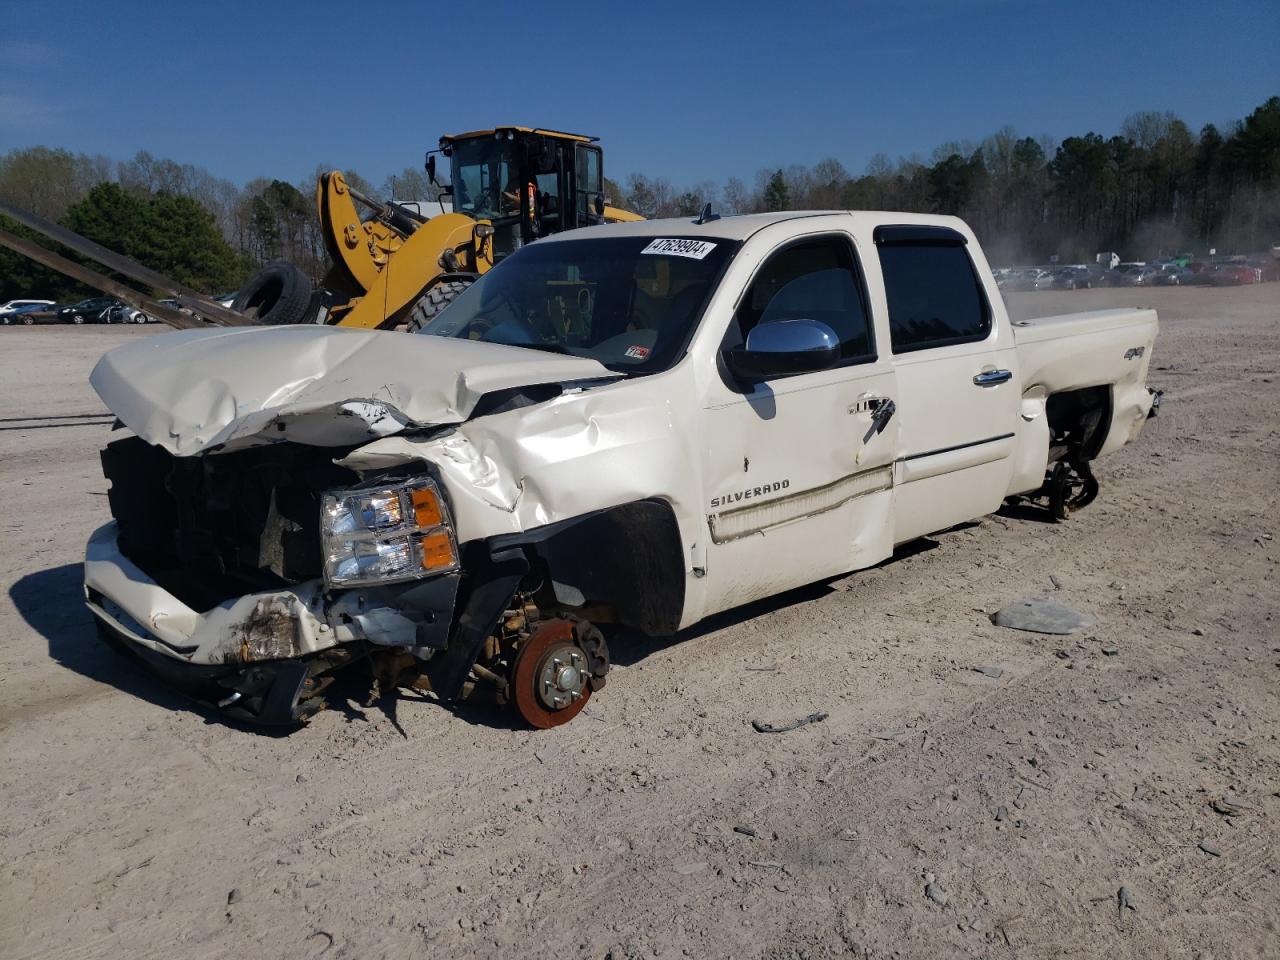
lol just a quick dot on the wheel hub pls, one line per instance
(563, 677)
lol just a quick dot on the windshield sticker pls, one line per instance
(637, 352)
(693, 249)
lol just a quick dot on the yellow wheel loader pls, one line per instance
(400, 266)
(396, 266)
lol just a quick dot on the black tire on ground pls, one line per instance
(277, 295)
(433, 301)
(29, 321)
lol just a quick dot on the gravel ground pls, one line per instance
(1110, 794)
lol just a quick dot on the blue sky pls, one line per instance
(688, 91)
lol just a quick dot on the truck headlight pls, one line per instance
(386, 534)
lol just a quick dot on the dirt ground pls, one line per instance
(660, 824)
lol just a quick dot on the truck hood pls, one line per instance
(195, 390)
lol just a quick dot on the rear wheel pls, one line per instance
(431, 303)
(277, 295)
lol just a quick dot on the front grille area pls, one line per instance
(213, 527)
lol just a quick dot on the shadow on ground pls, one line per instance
(52, 603)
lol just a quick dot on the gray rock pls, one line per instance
(934, 893)
(994, 673)
(1209, 848)
(547, 755)
(1227, 806)
(1038, 615)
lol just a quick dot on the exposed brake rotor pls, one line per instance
(554, 672)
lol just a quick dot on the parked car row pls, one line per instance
(1075, 276)
(92, 310)
(1158, 273)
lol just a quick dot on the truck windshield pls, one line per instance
(630, 302)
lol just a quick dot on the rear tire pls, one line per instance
(277, 295)
(431, 303)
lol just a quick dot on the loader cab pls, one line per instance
(527, 183)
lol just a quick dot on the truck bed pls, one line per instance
(1075, 351)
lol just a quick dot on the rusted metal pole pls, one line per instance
(28, 248)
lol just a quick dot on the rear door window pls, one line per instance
(935, 298)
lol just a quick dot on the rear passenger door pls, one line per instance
(796, 488)
(957, 375)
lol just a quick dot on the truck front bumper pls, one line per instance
(256, 657)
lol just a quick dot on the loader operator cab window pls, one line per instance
(629, 302)
(497, 180)
(482, 168)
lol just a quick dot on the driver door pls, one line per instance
(799, 487)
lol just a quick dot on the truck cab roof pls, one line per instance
(746, 225)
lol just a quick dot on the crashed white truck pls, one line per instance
(627, 427)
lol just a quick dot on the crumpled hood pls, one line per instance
(327, 386)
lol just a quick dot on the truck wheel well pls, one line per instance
(1078, 423)
(629, 557)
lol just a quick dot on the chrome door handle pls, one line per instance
(989, 378)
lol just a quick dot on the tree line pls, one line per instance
(1154, 188)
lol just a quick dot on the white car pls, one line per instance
(123, 313)
(637, 424)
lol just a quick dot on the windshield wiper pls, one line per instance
(551, 347)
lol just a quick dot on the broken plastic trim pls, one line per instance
(758, 517)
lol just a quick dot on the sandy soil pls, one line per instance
(660, 824)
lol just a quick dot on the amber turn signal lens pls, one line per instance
(426, 508)
(437, 551)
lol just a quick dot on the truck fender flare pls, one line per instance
(629, 557)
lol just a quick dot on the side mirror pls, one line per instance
(784, 347)
(431, 167)
(599, 204)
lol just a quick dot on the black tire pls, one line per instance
(29, 321)
(277, 295)
(431, 303)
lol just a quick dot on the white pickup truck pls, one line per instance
(638, 424)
